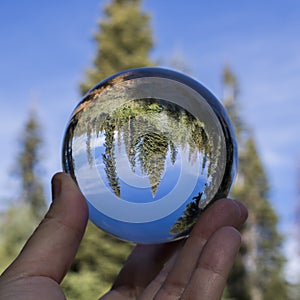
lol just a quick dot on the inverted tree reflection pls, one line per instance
(149, 130)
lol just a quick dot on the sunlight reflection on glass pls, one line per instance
(149, 148)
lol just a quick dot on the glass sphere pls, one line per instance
(150, 149)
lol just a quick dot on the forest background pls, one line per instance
(246, 54)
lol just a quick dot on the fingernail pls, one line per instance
(56, 187)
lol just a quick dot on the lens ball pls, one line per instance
(150, 149)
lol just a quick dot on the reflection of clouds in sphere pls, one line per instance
(149, 149)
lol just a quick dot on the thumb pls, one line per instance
(52, 247)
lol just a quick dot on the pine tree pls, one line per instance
(258, 273)
(152, 151)
(123, 41)
(18, 222)
(109, 159)
(28, 167)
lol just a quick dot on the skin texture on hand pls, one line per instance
(196, 268)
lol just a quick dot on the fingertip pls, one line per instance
(68, 198)
(231, 234)
(58, 176)
(66, 189)
(236, 206)
(56, 186)
(223, 212)
(61, 178)
(243, 210)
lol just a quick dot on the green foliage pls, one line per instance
(27, 167)
(18, 222)
(16, 225)
(109, 157)
(84, 285)
(189, 217)
(230, 86)
(96, 265)
(294, 290)
(124, 41)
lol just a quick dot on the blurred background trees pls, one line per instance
(258, 273)
(28, 167)
(124, 40)
(26, 211)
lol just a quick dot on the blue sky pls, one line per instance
(46, 46)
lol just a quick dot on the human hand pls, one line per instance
(196, 268)
(193, 269)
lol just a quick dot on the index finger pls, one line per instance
(52, 247)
